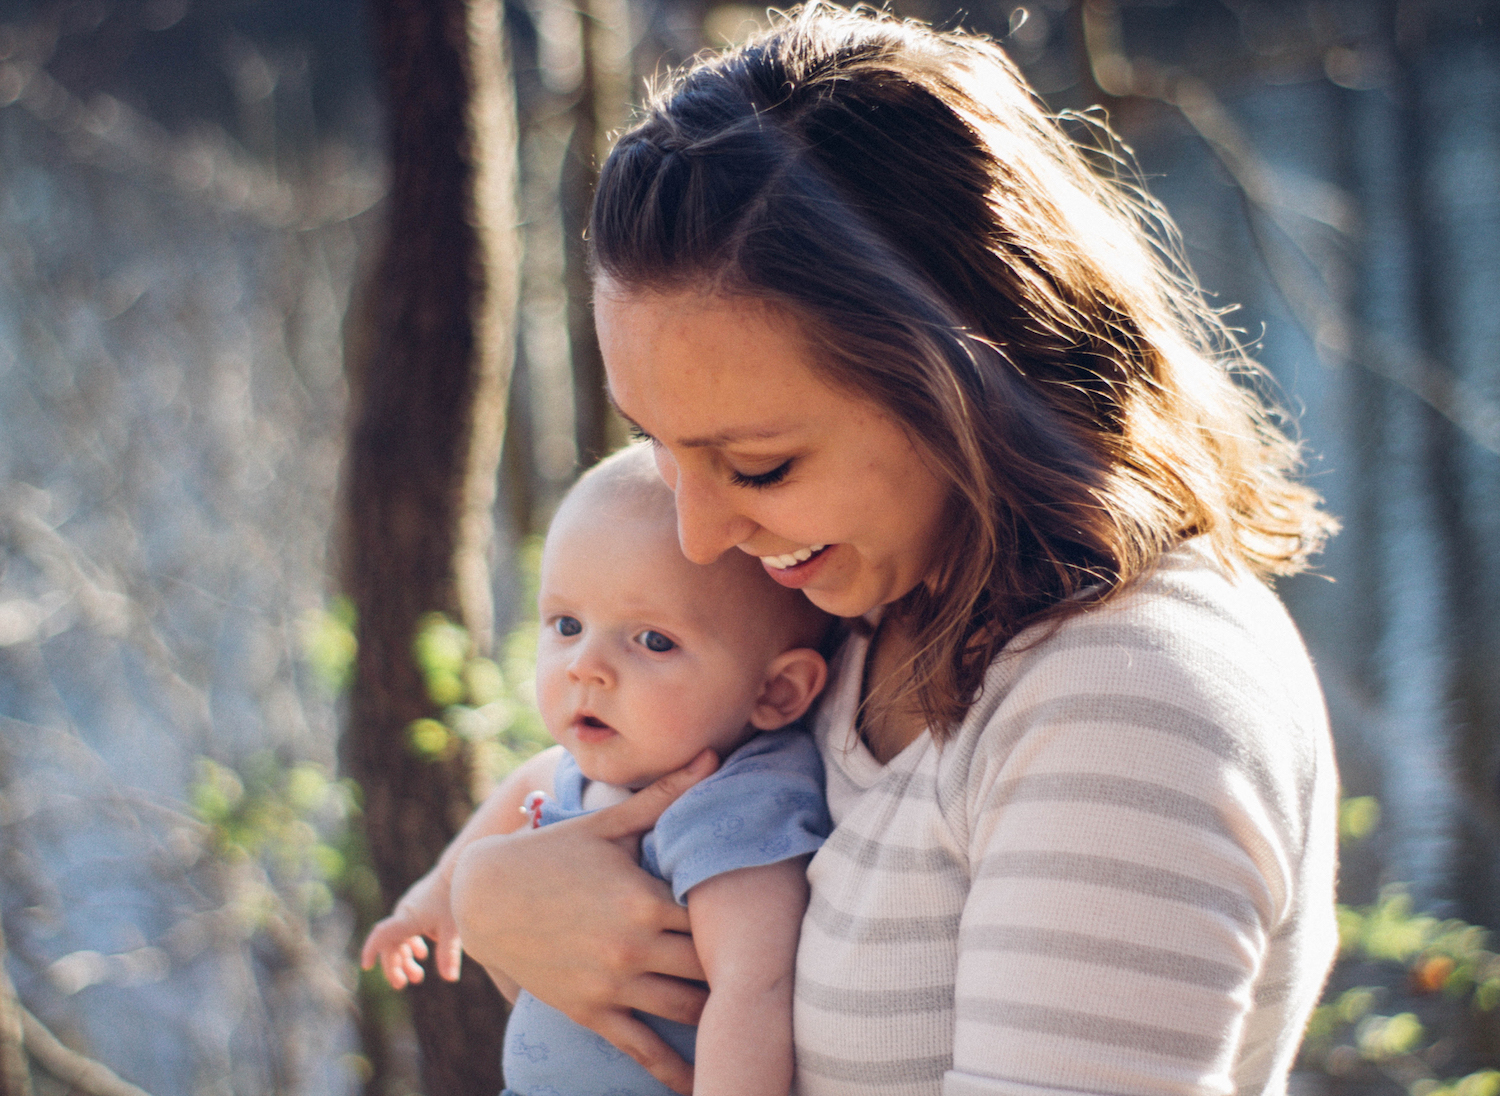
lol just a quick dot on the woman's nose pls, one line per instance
(708, 524)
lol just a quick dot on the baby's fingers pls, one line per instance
(393, 963)
(400, 962)
(388, 933)
(647, 1048)
(449, 955)
(412, 951)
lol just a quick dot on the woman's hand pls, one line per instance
(567, 912)
(424, 910)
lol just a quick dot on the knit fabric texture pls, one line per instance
(1116, 878)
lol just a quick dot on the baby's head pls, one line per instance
(645, 658)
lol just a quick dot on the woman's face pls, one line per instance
(829, 491)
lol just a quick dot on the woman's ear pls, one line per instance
(793, 680)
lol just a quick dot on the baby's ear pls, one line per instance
(793, 680)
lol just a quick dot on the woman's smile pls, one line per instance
(791, 559)
(796, 569)
(828, 491)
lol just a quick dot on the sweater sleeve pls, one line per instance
(1135, 813)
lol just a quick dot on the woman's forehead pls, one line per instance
(716, 371)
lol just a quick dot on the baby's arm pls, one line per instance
(426, 909)
(745, 927)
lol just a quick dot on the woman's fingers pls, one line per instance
(673, 953)
(639, 813)
(647, 1048)
(671, 998)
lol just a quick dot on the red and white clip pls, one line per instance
(532, 808)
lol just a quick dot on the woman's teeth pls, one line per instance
(791, 559)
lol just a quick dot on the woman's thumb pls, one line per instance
(639, 813)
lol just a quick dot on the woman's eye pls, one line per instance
(764, 479)
(568, 626)
(655, 641)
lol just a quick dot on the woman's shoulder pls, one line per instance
(1193, 632)
(1193, 682)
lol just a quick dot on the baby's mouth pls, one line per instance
(790, 559)
(590, 728)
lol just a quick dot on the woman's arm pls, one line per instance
(745, 925)
(425, 910)
(567, 912)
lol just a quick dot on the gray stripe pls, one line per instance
(1067, 1024)
(903, 787)
(868, 853)
(880, 930)
(1271, 993)
(865, 1071)
(1157, 715)
(1115, 791)
(1290, 926)
(1126, 875)
(875, 1002)
(1076, 947)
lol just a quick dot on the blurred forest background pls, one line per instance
(295, 355)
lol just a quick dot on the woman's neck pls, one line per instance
(888, 728)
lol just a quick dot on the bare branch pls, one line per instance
(15, 1076)
(1312, 302)
(207, 167)
(79, 1070)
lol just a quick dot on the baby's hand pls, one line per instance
(397, 941)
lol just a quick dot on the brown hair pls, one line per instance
(955, 256)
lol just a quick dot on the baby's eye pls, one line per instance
(655, 641)
(567, 626)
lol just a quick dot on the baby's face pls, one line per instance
(644, 658)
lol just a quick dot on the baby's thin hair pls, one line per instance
(629, 475)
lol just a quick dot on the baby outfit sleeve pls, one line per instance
(764, 805)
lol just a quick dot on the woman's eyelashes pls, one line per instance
(764, 479)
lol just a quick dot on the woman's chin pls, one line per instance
(845, 601)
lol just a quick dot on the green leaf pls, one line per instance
(328, 644)
(427, 738)
(1358, 817)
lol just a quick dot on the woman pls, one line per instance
(890, 331)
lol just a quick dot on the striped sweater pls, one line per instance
(1117, 878)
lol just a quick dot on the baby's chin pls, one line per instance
(626, 782)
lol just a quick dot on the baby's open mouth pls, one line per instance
(594, 721)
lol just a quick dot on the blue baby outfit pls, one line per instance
(763, 805)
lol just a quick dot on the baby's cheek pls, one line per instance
(548, 689)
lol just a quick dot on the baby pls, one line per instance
(645, 660)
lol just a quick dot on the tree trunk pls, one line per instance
(429, 365)
(603, 107)
(15, 1076)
